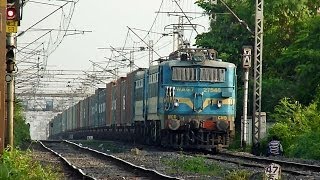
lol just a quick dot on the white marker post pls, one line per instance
(272, 172)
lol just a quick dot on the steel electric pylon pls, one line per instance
(258, 48)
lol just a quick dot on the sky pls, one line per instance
(104, 23)
(45, 56)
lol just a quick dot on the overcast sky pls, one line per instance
(108, 21)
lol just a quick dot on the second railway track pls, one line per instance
(96, 165)
(287, 166)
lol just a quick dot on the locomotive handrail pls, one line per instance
(201, 100)
(194, 101)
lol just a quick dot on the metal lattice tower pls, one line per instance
(257, 71)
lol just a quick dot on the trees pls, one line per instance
(300, 60)
(290, 50)
(227, 35)
(21, 129)
(297, 123)
(291, 67)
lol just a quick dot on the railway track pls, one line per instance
(289, 167)
(92, 164)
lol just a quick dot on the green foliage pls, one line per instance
(300, 61)
(295, 124)
(198, 165)
(16, 164)
(195, 165)
(227, 35)
(291, 47)
(21, 129)
(238, 175)
(276, 88)
(291, 52)
(310, 148)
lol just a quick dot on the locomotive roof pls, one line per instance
(212, 63)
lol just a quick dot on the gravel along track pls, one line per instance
(99, 165)
(48, 159)
(294, 168)
(291, 169)
(157, 158)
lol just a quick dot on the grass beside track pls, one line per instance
(199, 165)
(16, 164)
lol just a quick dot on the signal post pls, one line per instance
(9, 20)
(10, 61)
(13, 18)
(3, 6)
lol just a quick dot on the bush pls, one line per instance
(296, 123)
(21, 129)
(238, 175)
(17, 164)
(195, 165)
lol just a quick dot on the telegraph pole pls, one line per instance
(3, 5)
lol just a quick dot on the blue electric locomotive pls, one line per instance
(187, 101)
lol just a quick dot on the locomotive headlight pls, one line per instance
(219, 103)
(176, 103)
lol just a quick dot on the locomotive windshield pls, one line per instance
(212, 74)
(184, 74)
(198, 74)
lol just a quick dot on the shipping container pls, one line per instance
(139, 96)
(81, 113)
(69, 119)
(153, 93)
(93, 117)
(130, 87)
(59, 124)
(78, 110)
(86, 114)
(120, 95)
(109, 104)
(64, 121)
(114, 103)
(74, 118)
(101, 92)
(117, 98)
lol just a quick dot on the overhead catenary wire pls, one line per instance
(186, 16)
(120, 53)
(144, 41)
(35, 40)
(37, 2)
(240, 20)
(22, 32)
(58, 41)
(148, 33)
(154, 21)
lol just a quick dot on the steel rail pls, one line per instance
(153, 173)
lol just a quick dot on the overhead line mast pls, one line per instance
(257, 88)
(258, 48)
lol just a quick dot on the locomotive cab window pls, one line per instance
(199, 74)
(212, 74)
(184, 74)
